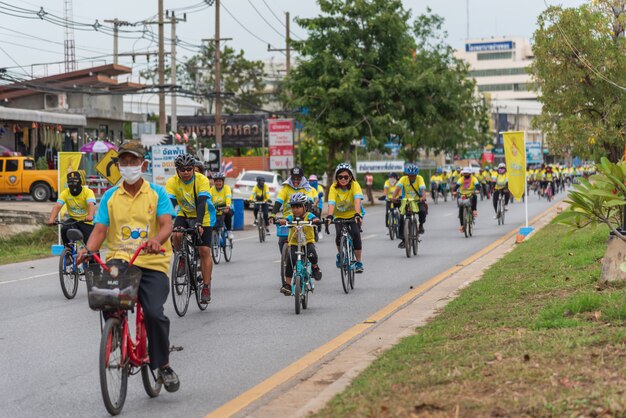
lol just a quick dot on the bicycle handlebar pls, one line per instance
(130, 263)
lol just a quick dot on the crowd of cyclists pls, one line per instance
(136, 211)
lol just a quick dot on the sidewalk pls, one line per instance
(332, 373)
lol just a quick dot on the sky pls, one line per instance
(252, 24)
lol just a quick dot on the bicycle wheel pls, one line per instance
(465, 225)
(150, 381)
(344, 262)
(470, 222)
(216, 251)
(113, 367)
(228, 249)
(260, 226)
(180, 285)
(305, 294)
(407, 238)
(352, 259)
(199, 283)
(391, 225)
(414, 237)
(68, 276)
(284, 259)
(297, 285)
(503, 209)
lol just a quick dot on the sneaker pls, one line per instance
(475, 214)
(317, 273)
(230, 234)
(169, 378)
(461, 230)
(286, 289)
(338, 263)
(320, 236)
(495, 216)
(267, 230)
(180, 270)
(255, 222)
(401, 245)
(421, 229)
(205, 296)
(358, 267)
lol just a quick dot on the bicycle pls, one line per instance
(501, 208)
(411, 230)
(468, 216)
(435, 192)
(69, 273)
(113, 288)
(549, 191)
(189, 279)
(347, 258)
(393, 220)
(220, 243)
(260, 221)
(301, 282)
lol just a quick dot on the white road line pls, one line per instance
(369, 236)
(28, 278)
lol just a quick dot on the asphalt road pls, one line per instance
(49, 345)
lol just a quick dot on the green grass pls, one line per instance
(27, 246)
(535, 336)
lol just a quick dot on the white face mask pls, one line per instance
(392, 181)
(131, 174)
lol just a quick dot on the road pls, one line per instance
(250, 331)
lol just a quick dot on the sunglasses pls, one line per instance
(184, 169)
(343, 177)
(296, 178)
(297, 205)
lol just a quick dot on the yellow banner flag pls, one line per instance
(515, 155)
(68, 162)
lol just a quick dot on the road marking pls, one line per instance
(27, 278)
(242, 401)
(369, 236)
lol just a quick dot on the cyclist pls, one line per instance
(318, 203)
(411, 185)
(344, 202)
(480, 176)
(261, 194)
(436, 182)
(298, 203)
(467, 186)
(547, 176)
(294, 183)
(81, 207)
(501, 187)
(130, 214)
(390, 186)
(221, 195)
(189, 190)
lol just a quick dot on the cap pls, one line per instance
(132, 147)
(466, 170)
(296, 171)
(74, 176)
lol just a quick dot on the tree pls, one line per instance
(580, 69)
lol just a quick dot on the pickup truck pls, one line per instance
(18, 175)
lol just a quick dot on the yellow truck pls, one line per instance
(18, 175)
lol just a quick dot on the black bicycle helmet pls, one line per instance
(298, 199)
(184, 160)
(260, 179)
(200, 165)
(219, 176)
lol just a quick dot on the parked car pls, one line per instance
(247, 180)
(18, 175)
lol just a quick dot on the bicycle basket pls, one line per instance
(114, 289)
(282, 231)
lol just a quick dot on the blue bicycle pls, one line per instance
(220, 243)
(302, 280)
(69, 272)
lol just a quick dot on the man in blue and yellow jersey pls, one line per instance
(436, 182)
(81, 207)
(133, 213)
(260, 198)
(466, 188)
(388, 188)
(317, 191)
(189, 191)
(411, 186)
(222, 196)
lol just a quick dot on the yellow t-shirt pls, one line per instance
(221, 197)
(408, 189)
(185, 195)
(259, 195)
(436, 178)
(467, 189)
(390, 188)
(309, 232)
(285, 193)
(501, 181)
(77, 206)
(132, 220)
(343, 199)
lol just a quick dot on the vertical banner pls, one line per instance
(68, 162)
(515, 156)
(281, 144)
(163, 157)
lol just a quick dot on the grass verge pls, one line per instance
(27, 246)
(535, 336)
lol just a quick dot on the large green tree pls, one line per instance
(580, 69)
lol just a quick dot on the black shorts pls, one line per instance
(190, 222)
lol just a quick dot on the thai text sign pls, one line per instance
(163, 157)
(379, 166)
(281, 144)
(245, 130)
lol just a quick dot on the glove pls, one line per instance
(329, 218)
(272, 218)
(358, 219)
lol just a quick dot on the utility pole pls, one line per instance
(161, 70)
(116, 24)
(174, 20)
(218, 79)
(287, 49)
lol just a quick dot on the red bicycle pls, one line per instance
(112, 288)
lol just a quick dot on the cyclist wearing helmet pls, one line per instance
(467, 186)
(298, 203)
(344, 202)
(199, 167)
(411, 185)
(317, 190)
(190, 191)
(501, 187)
(436, 182)
(295, 183)
(222, 199)
(390, 186)
(261, 194)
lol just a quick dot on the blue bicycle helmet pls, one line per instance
(439, 170)
(411, 169)
(393, 175)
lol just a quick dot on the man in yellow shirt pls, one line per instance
(388, 189)
(221, 195)
(133, 213)
(260, 197)
(81, 207)
(501, 188)
(467, 186)
(436, 183)
(411, 186)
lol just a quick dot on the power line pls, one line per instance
(265, 20)
(280, 20)
(245, 28)
(11, 58)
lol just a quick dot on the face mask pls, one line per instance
(501, 171)
(131, 174)
(392, 181)
(466, 177)
(75, 189)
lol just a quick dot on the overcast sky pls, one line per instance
(38, 41)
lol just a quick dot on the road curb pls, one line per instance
(327, 370)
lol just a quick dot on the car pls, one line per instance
(247, 180)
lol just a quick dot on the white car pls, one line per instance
(247, 180)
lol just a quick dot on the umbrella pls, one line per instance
(97, 146)
(7, 151)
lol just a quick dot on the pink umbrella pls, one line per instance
(97, 146)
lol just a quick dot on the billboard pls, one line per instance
(281, 144)
(238, 131)
(163, 157)
(379, 166)
(533, 153)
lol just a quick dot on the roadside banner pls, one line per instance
(281, 144)
(163, 157)
(515, 156)
(379, 166)
(533, 153)
(68, 162)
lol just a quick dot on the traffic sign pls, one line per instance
(108, 168)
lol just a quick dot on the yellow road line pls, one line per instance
(237, 404)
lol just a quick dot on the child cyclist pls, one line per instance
(299, 203)
(344, 202)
